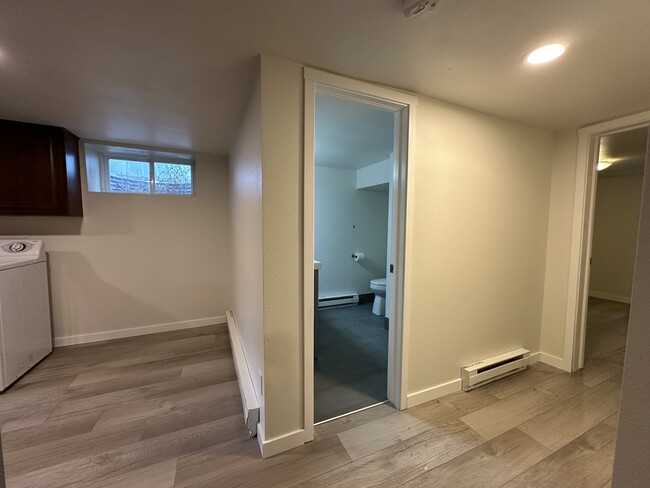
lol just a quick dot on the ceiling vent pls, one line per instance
(415, 8)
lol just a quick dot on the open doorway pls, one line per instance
(619, 183)
(579, 279)
(386, 200)
(354, 163)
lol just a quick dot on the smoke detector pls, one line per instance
(415, 8)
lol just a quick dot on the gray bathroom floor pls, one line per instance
(351, 369)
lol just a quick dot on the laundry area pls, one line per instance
(25, 327)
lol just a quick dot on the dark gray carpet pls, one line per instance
(351, 369)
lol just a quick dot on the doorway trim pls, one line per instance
(404, 105)
(582, 232)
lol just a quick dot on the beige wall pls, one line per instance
(137, 260)
(616, 227)
(560, 222)
(631, 467)
(480, 209)
(477, 263)
(282, 114)
(246, 224)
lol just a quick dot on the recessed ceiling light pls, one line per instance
(545, 54)
(603, 165)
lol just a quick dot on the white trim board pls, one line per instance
(404, 107)
(609, 296)
(372, 91)
(432, 393)
(137, 331)
(309, 128)
(549, 359)
(281, 443)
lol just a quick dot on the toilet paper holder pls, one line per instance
(358, 256)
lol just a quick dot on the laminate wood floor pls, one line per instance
(164, 411)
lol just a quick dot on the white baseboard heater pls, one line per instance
(488, 370)
(352, 299)
(248, 396)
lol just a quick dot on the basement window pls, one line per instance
(115, 169)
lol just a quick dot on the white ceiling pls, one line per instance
(177, 73)
(625, 150)
(351, 135)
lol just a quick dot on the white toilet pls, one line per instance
(378, 286)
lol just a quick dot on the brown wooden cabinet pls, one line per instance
(39, 170)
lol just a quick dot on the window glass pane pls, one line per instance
(173, 178)
(128, 176)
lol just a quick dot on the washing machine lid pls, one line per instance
(19, 252)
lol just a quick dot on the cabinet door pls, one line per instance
(32, 169)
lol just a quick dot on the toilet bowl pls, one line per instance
(378, 286)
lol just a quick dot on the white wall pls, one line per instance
(375, 175)
(93, 177)
(379, 176)
(348, 220)
(475, 276)
(616, 227)
(137, 260)
(631, 467)
(246, 225)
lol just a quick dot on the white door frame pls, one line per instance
(582, 232)
(404, 105)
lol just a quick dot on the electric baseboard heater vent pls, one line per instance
(248, 396)
(337, 301)
(488, 370)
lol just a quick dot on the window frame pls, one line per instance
(104, 173)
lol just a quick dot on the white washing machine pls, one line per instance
(25, 326)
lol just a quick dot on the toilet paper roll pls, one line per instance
(358, 256)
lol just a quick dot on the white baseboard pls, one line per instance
(609, 296)
(136, 331)
(428, 394)
(549, 359)
(279, 444)
(554, 361)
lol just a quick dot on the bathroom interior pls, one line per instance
(352, 221)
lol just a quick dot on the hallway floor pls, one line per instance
(351, 370)
(164, 411)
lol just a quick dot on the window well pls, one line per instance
(117, 169)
